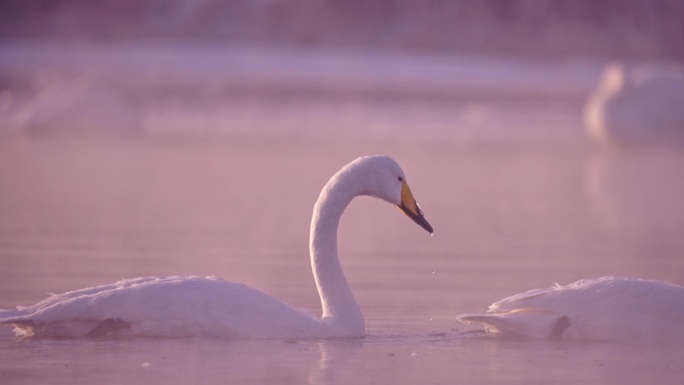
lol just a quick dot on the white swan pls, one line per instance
(80, 106)
(191, 306)
(637, 104)
(610, 309)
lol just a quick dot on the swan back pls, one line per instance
(614, 309)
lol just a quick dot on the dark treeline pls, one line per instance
(546, 28)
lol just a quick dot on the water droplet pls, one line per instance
(413, 354)
(433, 272)
(430, 319)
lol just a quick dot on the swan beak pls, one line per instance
(410, 207)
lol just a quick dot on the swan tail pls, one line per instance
(13, 318)
(22, 327)
(26, 327)
(525, 322)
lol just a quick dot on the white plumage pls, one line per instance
(601, 309)
(164, 307)
(192, 306)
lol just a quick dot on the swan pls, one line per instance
(637, 104)
(80, 106)
(192, 306)
(606, 309)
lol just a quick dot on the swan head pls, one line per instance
(613, 79)
(383, 178)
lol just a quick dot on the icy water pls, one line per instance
(507, 218)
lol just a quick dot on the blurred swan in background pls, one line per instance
(600, 309)
(79, 106)
(192, 306)
(632, 104)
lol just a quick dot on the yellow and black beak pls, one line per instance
(410, 207)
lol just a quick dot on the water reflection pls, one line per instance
(634, 195)
(170, 361)
(543, 361)
(334, 354)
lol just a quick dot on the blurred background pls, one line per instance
(541, 29)
(542, 139)
(342, 68)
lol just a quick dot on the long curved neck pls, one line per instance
(339, 306)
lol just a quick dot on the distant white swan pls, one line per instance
(80, 106)
(637, 104)
(191, 306)
(610, 309)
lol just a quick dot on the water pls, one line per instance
(528, 204)
(437, 360)
(79, 213)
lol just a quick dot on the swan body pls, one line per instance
(80, 106)
(164, 307)
(192, 306)
(637, 105)
(611, 309)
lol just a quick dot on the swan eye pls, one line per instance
(400, 179)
